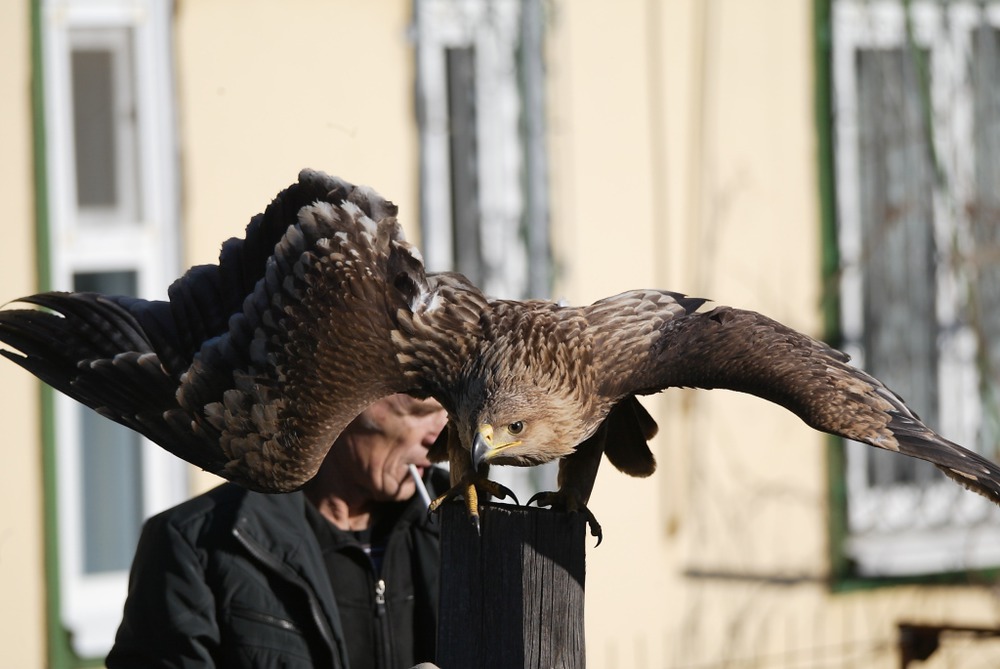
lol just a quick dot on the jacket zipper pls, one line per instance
(279, 568)
(380, 598)
(382, 621)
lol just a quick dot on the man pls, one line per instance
(341, 574)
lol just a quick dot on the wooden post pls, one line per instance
(512, 597)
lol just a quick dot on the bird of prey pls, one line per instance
(253, 366)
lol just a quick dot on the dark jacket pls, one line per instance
(234, 578)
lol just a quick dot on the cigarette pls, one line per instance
(421, 488)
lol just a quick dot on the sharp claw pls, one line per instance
(503, 492)
(436, 503)
(595, 527)
(571, 504)
(467, 488)
(537, 497)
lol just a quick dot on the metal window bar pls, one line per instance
(899, 254)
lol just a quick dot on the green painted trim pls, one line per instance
(830, 266)
(830, 258)
(40, 167)
(843, 574)
(973, 578)
(60, 654)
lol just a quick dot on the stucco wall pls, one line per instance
(327, 85)
(21, 568)
(684, 157)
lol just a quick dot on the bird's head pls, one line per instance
(523, 425)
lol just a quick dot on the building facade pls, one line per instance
(828, 163)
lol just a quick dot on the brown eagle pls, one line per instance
(253, 366)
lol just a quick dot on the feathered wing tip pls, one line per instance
(210, 374)
(871, 413)
(310, 346)
(93, 349)
(747, 352)
(911, 437)
(58, 343)
(978, 475)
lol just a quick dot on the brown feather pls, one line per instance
(628, 430)
(747, 352)
(256, 364)
(266, 357)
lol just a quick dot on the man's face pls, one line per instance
(388, 436)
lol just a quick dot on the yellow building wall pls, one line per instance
(684, 156)
(22, 578)
(262, 94)
(325, 84)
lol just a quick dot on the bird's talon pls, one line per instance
(469, 488)
(501, 491)
(436, 503)
(595, 527)
(542, 498)
(570, 503)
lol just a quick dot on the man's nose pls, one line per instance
(438, 424)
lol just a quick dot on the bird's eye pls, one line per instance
(516, 427)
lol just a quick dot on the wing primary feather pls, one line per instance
(235, 372)
(747, 352)
(254, 365)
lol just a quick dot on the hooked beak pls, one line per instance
(482, 444)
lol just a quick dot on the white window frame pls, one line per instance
(106, 241)
(493, 28)
(909, 529)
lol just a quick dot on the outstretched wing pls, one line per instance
(203, 300)
(255, 365)
(93, 349)
(660, 340)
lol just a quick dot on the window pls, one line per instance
(917, 127)
(484, 199)
(484, 207)
(112, 228)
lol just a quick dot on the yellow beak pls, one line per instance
(485, 448)
(482, 444)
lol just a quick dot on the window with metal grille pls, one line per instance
(484, 206)
(916, 119)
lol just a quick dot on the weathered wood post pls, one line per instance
(512, 597)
